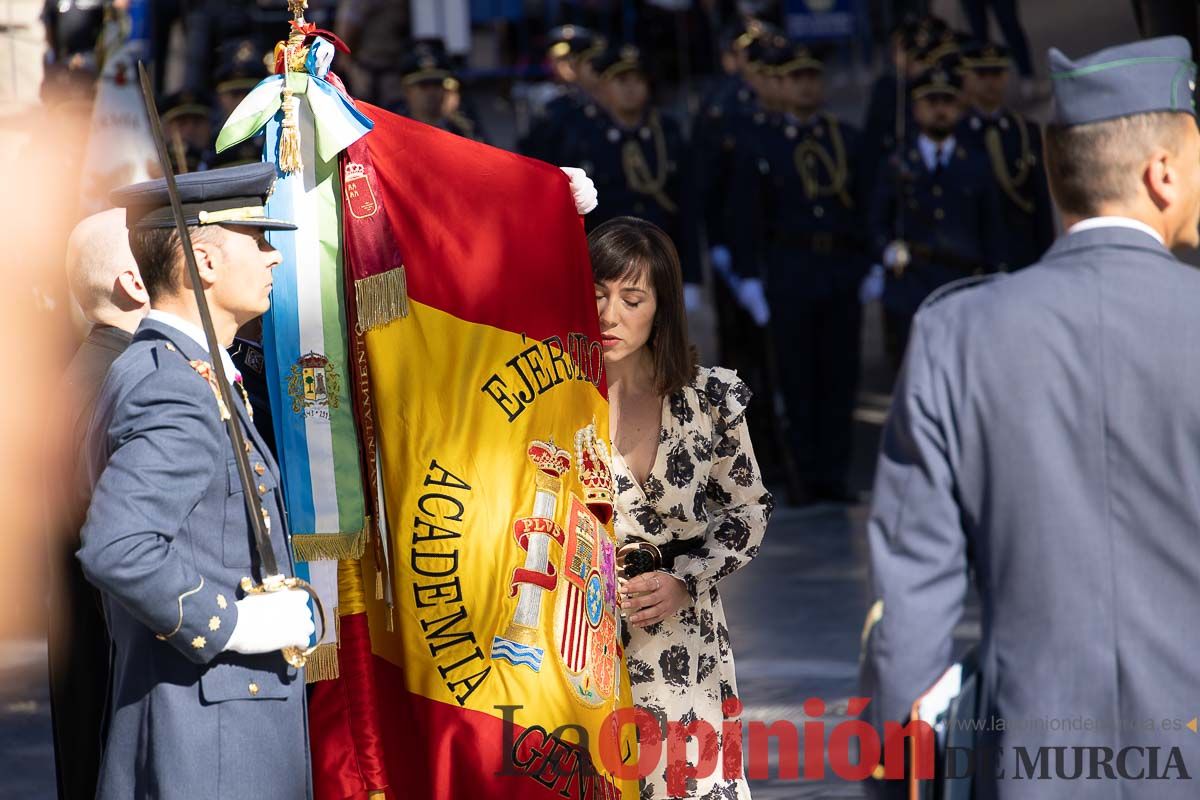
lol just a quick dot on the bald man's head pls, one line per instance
(103, 275)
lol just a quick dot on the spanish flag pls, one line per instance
(480, 641)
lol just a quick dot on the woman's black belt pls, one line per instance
(640, 557)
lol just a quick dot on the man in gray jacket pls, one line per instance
(203, 703)
(1045, 435)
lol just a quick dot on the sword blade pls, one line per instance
(268, 565)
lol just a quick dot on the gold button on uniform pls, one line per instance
(253, 687)
(259, 469)
(262, 488)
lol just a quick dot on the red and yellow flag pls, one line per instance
(488, 661)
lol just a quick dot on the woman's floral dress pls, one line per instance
(704, 482)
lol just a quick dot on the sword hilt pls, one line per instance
(295, 656)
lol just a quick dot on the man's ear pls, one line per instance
(208, 260)
(1162, 178)
(129, 283)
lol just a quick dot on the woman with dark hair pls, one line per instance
(690, 503)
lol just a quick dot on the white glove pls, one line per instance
(722, 261)
(582, 189)
(871, 288)
(270, 622)
(754, 300)
(896, 255)
(693, 297)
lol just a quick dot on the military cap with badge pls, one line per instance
(226, 196)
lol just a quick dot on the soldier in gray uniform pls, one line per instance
(202, 703)
(1043, 439)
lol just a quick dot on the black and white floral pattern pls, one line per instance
(704, 482)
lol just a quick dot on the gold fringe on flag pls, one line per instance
(322, 663)
(330, 546)
(381, 298)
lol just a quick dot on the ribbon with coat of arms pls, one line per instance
(305, 331)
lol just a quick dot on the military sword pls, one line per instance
(260, 523)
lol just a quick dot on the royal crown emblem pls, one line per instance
(595, 472)
(549, 458)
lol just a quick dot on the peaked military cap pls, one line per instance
(1136, 78)
(185, 103)
(800, 58)
(937, 81)
(425, 62)
(919, 32)
(568, 40)
(985, 55)
(230, 195)
(768, 51)
(618, 59)
(242, 64)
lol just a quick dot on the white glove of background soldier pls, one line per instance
(582, 189)
(270, 622)
(754, 300)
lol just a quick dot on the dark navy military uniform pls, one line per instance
(167, 542)
(553, 121)
(639, 171)
(1041, 446)
(1012, 146)
(799, 225)
(935, 204)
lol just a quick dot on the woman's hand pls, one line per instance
(652, 597)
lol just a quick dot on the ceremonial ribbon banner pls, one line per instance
(305, 333)
(496, 669)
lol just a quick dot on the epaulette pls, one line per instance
(954, 287)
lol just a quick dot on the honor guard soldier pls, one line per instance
(715, 133)
(888, 121)
(635, 156)
(188, 126)
(1041, 445)
(424, 71)
(1013, 145)
(203, 704)
(241, 67)
(935, 215)
(571, 50)
(798, 223)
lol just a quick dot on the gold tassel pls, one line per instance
(289, 137)
(391, 619)
(329, 546)
(378, 583)
(381, 299)
(322, 664)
